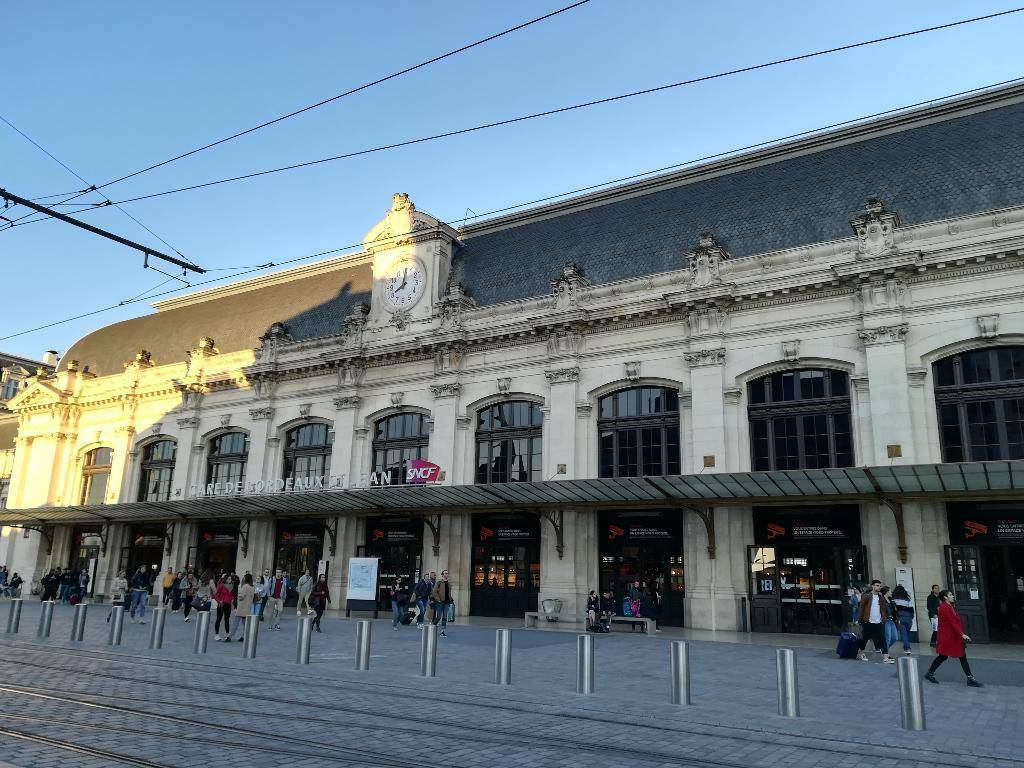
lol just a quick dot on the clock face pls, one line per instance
(404, 284)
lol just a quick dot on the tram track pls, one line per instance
(428, 726)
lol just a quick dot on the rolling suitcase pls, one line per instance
(847, 646)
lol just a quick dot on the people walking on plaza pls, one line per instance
(891, 632)
(139, 587)
(904, 612)
(68, 582)
(14, 585)
(201, 598)
(176, 592)
(223, 597)
(119, 593)
(303, 588)
(422, 593)
(83, 584)
(441, 597)
(262, 592)
(243, 607)
(277, 592)
(933, 613)
(872, 615)
(319, 598)
(855, 595)
(399, 600)
(952, 641)
(166, 585)
(187, 590)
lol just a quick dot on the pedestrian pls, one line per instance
(262, 591)
(167, 584)
(634, 594)
(83, 584)
(952, 641)
(319, 598)
(187, 588)
(399, 602)
(49, 583)
(304, 587)
(593, 608)
(933, 613)
(904, 614)
(891, 633)
(422, 593)
(223, 598)
(139, 586)
(650, 606)
(14, 585)
(119, 592)
(277, 591)
(202, 596)
(176, 591)
(855, 595)
(607, 608)
(872, 614)
(243, 607)
(441, 598)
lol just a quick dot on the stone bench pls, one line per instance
(647, 626)
(532, 618)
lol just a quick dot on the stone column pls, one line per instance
(572, 575)
(917, 379)
(120, 465)
(736, 438)
(889, 389)
(187, 458)
(708, 417)
(455, 554)
(861, 406)
(262, 445)
(342, 454)
(445, 423)
(561, 423)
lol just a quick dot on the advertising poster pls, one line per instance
(362, 579)
(905, 579)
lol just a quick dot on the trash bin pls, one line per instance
(551, 608)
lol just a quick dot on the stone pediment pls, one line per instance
(403, 224)
(36, 394)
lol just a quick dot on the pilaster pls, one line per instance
(561, 424)
(707, 425)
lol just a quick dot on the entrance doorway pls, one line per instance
(217, 548)
(300, 545)
(985, 567)
(145, 548)
(506, 565)
(802, 568)
(86, 544)
(398, 542)
(647, 547)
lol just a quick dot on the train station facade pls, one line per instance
(749, 384)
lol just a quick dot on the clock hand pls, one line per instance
(405, 279)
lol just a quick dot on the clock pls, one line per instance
(404, 283)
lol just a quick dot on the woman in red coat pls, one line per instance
(951, 639)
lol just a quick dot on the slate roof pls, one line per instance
(958, 166)
(309, 307)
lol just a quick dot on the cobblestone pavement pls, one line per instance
(88, 704)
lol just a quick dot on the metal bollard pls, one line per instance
(78, 624)
(679, 672)
(202, 632)
(503, 657)
(156, 631)
(14, 618)
(45, 617)
(252, 631)
(116, 625)
(428, 651)
(304, 639)
(785, 673)
(363, 633)
(585, 665)
(911, 695)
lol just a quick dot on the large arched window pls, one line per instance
(397, 440)
(800, 420)
(980, 399)
(639, 431)
(226, 461)
(508, 443)
(157, 470)
(95, 475)
(307, 452)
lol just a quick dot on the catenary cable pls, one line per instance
(340, 249)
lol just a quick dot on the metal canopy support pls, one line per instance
(332, 533)
(707, 516)
(45, 530)
(901, 532)
(557, 519)
(434, 523)
(169, 538)
(243, 536)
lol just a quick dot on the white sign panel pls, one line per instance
(362, 578)
(905, 579)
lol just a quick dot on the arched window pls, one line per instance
(639, 431)
(95, 475)
(508, 443)
(225, 462)
(980, 399)
(397, 440)
(157, 471)
(800, 420)
(307, 452)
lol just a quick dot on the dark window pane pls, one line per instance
(944, 373)
(844, 445)
(759, 442)
(949, 428)
(840, 384)
(812, 385)
(482, 460)
(626, 459)
(651, 451)
(606, 406)
(787, 454)
(983, 431)
(1013, 413)
(671, 401)
(977, 367)
(673, 465)
(607, 455)
(755, 392)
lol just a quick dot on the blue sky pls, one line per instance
(112, 87)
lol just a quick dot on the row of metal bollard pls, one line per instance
(911, 694)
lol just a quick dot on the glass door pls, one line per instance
(812, 590)
(506, 579)
(765, 608)
(964, 566)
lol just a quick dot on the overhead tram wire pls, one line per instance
(570, 108)
(336, 97)
(242, 271)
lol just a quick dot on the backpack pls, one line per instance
(627, 607)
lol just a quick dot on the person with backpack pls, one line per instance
(952, 640)
(441, 598)
(139, 587)
(634, 594)
(422, 592)
(399, 599)
(904, 611)
(872, 614)
(891, 632)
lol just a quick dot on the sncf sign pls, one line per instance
(422, 471)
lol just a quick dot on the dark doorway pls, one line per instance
(398, 542)
(145, 548)
(86, 544)
(506, 565)
(300, 545)
(644, 546)
(217, 548)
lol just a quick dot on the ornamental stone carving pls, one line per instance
(565, 343)
(454, 307)
(569, 287)
(708, 321)
(448, 358)
(261, 414)
(875, 230)
(157, 428)
(350, 374)
(563, 375)
(988, 326)
(397, 398)
(885, 334)
(225, 419)
(880, 295)
(305, 409)
(633, 370)
(400, 319)
(504, 385)
(791, 351)
(583, 410)
(188, 422)
(264, 387)
(704, 357)
(444, 391)
(270, 343)
(347, 402)
(705, 261)
(352, 327)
